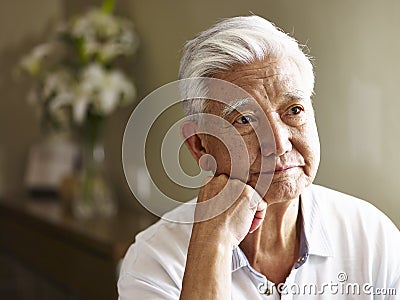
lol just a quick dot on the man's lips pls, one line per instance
(277, 170)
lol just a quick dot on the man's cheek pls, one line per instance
(253, 148)
(233, 153)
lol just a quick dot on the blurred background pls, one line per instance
(355, 45)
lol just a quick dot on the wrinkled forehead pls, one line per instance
(224, 96)
(270, 66)
(244, 85)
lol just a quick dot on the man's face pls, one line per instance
(290, 140)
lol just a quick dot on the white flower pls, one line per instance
(103, 35)
(85, 91)
(61, 100)
(79, 109)
(114, 89)
(92, 78)
(105, 89)
(75, 72)
(55, 83)
(95, 23)
(126, 88)
(32, 62)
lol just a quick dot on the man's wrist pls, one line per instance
(211, 235)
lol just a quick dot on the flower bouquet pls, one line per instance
(78, 84)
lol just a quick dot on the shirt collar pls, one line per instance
(315, 229)
(239, 259)
(314, 239)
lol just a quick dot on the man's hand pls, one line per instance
(241, 209)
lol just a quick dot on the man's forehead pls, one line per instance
(270, 77)
(249, 82)
(262, 69)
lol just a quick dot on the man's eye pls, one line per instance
(295, 110)
(244, 120)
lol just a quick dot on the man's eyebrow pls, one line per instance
(294, 95)
(231, 107)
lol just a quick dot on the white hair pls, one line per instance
(237, 40)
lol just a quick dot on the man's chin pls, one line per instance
(261, 184)
(279, 192)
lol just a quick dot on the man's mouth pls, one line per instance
(278, 169)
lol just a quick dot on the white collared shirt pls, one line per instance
(348, 249)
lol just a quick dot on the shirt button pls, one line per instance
(263, 289)
(301, 259)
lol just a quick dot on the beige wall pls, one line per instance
(355, 45)
(23, 24)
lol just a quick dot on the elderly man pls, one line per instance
(287, 239)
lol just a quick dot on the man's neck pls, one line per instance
(273, 248)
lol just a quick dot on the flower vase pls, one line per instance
(95, 197)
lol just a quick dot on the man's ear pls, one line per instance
(193, 140)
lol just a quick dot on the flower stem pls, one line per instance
(108, 6)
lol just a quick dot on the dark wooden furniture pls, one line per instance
(79, 255)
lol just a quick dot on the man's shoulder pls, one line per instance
(168, 235)
(351, 212)
(336, 200)
(156, 260)
(360, 233)
(175, 224)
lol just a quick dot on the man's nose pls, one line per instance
(277, 140)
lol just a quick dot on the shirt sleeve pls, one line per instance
(144, 276)
(131, 287)
(153, 267)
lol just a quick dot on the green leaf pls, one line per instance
(108, 6)
(80, 48)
